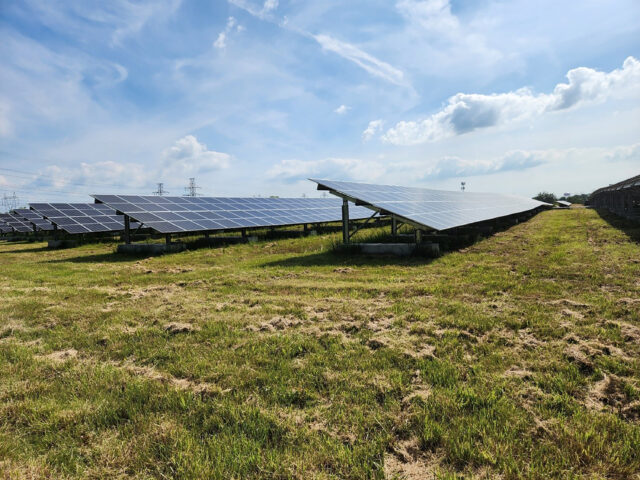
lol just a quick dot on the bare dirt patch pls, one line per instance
(566, 312)
(179, 383)
(609, 394)
(408, 462)
(62, 355)
(570, 303)
(177, 327)
(275, 324)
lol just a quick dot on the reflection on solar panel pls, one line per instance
(193, 214)
(562, 203)
(32, 217)
(16, 223)
(80, 217)
(434, 209)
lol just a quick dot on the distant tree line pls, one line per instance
(551, 198)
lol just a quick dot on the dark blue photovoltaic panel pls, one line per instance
(434, 209)
(33, 218)
(16, 223)
(81, 217)
(193, 214)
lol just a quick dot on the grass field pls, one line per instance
(518, 357)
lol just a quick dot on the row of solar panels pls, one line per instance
(629, 183)
(173, 214)
(431, 209)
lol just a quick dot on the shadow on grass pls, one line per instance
(100, 258)
(345, 259)
(630, 228)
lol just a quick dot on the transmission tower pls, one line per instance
(192, 189)
(160, 191)
(10, 202)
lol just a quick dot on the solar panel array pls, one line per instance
(80, 217)
(16, 223)
(563, 203)
(434, 209)
(33, 218)
(193, 214)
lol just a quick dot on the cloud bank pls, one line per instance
(466, 113)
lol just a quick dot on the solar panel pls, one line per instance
(563, 203)
(77, 218)
(193, 214)
(16, 223)
(434, 209)
(33, 218)
(4, 228)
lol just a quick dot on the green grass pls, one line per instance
(518, 357)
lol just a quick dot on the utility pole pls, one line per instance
(192, 189)
(160, 191)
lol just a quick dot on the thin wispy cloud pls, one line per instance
(348, 51)
(367, 62)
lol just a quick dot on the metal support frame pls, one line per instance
(345, 221)
(305, 229)
(167, 238)
(244, 233)
(360, 227)
(418, 236)
(394, 225)
(127, 229)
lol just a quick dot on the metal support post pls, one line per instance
(345, 221)
(306, 229)
(127, 230)
(244, 233)
(394, 225)
(168, 238)
(418, 236)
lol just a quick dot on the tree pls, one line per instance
(546, 197)
(579, 198)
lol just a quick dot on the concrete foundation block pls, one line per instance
(151, 248)
(399, 249)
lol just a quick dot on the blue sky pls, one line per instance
(251, 97)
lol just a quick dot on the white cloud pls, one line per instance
(433, 16)
(626, 153)
(269, 5)
(189, 157)
(342, 109)
(372, 129)
(516, 160)
(342, 168)
(371, 64)
(468, 112)
(221, 41)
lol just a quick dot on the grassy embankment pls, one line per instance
(518, 357)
